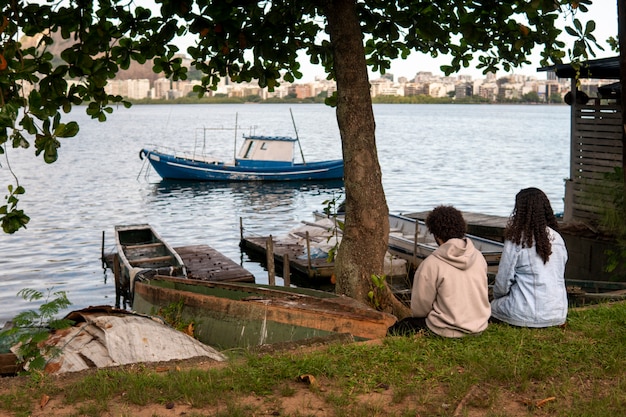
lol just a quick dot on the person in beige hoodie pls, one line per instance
(450, 292)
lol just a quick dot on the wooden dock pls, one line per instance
(292, 254)
(478, 224)
(206, 264)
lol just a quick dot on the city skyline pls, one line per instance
(603, 12)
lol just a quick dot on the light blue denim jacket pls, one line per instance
(527, 292)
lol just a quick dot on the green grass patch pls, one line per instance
(580, 364)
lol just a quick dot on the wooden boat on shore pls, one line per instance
(228, 315)
(141, 252)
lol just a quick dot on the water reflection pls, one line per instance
(253, 194)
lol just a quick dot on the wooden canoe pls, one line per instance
(141, 252)
(228, 315)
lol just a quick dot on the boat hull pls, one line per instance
(409, 239)
(230, 315)
(176, 167)
(140, 252)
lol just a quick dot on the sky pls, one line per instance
(603, 12)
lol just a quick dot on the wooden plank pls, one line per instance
(581, 128)
(599, 159)
(147, 245)
(207, 264)
(598, 147)
(8, 364)
(609, 139)
(156, 260)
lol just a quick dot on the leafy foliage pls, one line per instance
(31, 328)
(613, 218)
(242, 40)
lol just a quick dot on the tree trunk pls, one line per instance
(366, 233)
(364, 241)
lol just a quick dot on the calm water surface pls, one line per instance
(476, 157)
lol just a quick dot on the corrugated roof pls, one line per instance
(604, 68)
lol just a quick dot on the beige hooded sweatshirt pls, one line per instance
(450, 290)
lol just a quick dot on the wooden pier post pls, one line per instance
(241, 229)
(104, 264)
(117, 278)
(271, 273)
(286, 270)
(308, 255)
(417, 233)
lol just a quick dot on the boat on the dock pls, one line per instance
(410, 239)
(260, 158)
(230, 315)
(142, 252)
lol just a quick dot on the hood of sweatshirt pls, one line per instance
(459, 253)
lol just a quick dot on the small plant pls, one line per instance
(32, 327)
(173, 315)
(377, 291)
(331, 209)
(613, 218)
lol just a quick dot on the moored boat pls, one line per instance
(227, 315)
(410, 239)
(142, 252)
(261, 158)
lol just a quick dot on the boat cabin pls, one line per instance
(268, 151)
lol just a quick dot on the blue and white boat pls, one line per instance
(260, 158)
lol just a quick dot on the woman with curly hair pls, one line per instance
(530, 285)
(450, 294)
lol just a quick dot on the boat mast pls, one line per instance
(235, 147)
(297, 138)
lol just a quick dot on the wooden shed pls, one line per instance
(596, 149)
(596, 139)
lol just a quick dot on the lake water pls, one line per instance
(475, 157)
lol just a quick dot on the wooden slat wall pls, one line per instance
(596, 150)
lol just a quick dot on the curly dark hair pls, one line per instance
(446, 222)
(530, 220)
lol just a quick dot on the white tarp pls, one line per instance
(104, 337)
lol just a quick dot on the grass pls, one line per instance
(581, 366)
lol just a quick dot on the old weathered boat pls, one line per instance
(410, 239)
(227, 315)
(142, 252)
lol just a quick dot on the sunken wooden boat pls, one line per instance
(231, 315)
(142, 252)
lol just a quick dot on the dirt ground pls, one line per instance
(307, 398)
